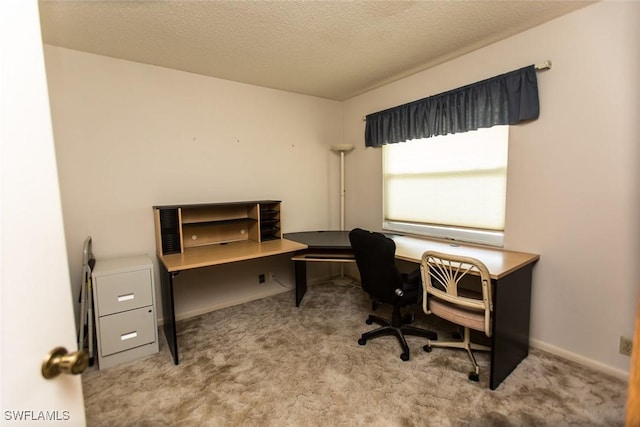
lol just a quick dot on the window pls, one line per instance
(451, 186)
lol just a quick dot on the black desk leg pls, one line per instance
(511, 321)
(168, 309)
(301, 280)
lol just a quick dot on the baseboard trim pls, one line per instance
(574, 357)
(285, 287)
(557, 351)
(228, 303)
(617, 373)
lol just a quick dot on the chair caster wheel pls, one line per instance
(368, 321)
(427, 348)
(362, 341)
(404, 357)
(474, 377)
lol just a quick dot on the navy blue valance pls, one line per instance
(506, 99)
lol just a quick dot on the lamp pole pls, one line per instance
(342, 148)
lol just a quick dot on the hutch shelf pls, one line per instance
(179, 227)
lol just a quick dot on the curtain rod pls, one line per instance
(546, 65)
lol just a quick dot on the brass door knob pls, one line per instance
(60, 361)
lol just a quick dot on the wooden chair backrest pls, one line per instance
(442, 275)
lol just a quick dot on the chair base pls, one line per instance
(397, 327)
(465, 344)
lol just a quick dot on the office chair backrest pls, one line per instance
(375, 258)
(443, 275)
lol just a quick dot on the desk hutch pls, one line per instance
(204, 235)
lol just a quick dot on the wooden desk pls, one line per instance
(207, 256)
(510, 273)
(210, 234)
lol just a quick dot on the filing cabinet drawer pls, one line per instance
(123, 291)
(127, 330)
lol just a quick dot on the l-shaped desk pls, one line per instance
(510, 271)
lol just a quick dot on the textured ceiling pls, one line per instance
(330, 49)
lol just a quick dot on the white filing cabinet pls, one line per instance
(124, 299)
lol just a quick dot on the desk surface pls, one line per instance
(500, 262)
(209, 255)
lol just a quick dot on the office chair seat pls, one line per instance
(381, 279)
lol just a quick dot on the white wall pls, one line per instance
(573, 185)
(130, 136)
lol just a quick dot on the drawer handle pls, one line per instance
(126, 297)
(128, 336)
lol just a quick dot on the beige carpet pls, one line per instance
(268, 363)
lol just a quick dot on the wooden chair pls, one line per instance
(458, 289)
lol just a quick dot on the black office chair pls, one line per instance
(381, 279)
